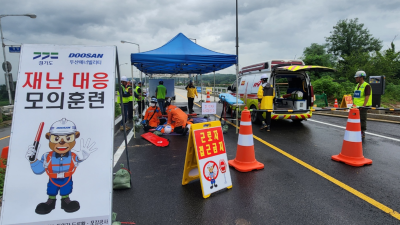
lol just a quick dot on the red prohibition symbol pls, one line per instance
(206, 171)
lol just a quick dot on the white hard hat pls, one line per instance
(360, 74)
(264, 76)
(62, 127)
(167, 129)
(123, 78)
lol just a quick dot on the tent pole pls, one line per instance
(201, 85)
(237, 69)
(133, 102)
(214, 86)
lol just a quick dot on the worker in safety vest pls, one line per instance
(177, 119)
(125, 100)
(151, 118)
(265, 96)
(362, 98)
(191, 92)
(139, 98)
(60, 164)
(130, 108)
(161, 93)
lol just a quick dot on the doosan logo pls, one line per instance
(85, 55)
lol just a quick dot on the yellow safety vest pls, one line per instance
(359, 95)
(124, 99)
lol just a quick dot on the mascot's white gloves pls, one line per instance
(86, 149)
(264, 84)
(31, 153)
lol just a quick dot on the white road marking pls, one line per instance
(121, 148)
(377, 135)
(118, 120)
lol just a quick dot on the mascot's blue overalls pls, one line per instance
(60, 164)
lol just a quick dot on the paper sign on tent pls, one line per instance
(208, 108)
(206, 158)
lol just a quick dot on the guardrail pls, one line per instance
(319, 110)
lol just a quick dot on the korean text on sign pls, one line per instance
(209, 142)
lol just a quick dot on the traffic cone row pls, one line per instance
(352, 152)
(245, 160)
(336, 104)
(208, 99)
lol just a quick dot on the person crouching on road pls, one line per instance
(151, 118)
(191, 92)
(362, 98)
(265, 96)
(177, 119)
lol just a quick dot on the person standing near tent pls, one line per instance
(130, 108)
(265, 96)
(125, 100)
(362, 98)
(139, 99)
(161, 93)
(191, 92)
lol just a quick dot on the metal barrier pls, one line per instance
(319, 110)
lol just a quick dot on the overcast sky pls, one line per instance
(267, 29)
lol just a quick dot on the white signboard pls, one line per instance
(208, 108)
(59, 169)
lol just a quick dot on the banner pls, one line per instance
(59, 169)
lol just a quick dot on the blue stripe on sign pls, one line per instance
(37, 56)
(45, 57)
(54, 57)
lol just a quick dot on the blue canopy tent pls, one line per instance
(181, 56)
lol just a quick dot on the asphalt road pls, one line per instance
(300, 184)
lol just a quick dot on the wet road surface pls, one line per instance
(300, 184)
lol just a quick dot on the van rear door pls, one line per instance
(296, 69)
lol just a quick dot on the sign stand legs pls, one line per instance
(123, 115)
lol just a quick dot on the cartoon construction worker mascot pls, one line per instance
(211, 175)
(60, 164)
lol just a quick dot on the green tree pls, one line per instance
(385, 63)
(349, 36)
(316, 54)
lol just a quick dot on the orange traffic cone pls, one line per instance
(336, 104)
(245, 160)
(4, 156)
(208, 99)
(352, 153)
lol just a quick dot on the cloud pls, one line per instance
(267, 29)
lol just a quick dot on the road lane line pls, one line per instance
(4, 138)
(331, 179)
(121, 148)
(333, 125)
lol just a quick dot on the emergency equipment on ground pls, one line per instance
(155, 140)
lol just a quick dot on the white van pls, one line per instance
(287, 77)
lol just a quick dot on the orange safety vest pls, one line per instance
(49, 169)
